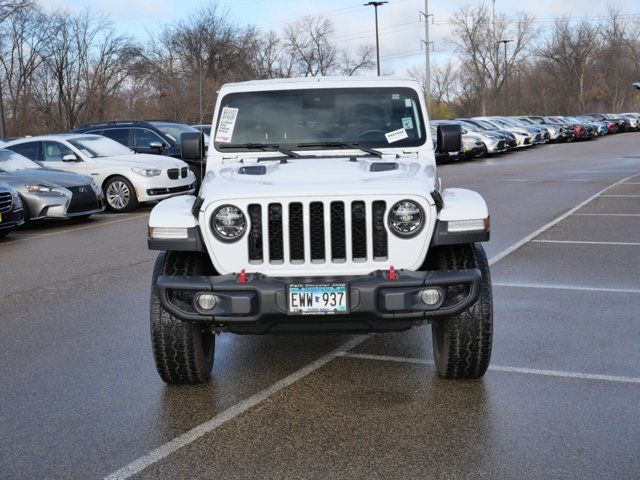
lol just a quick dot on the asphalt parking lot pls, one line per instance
(80, 397)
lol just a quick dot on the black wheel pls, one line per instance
(183, 351)
(4, 233)
(462, 343)
(484, 152)
(120, 194)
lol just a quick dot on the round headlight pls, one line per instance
(406, 218)
(228, 223)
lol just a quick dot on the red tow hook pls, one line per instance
(392, 273)
(243, 276)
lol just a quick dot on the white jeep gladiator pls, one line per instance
(320, 212)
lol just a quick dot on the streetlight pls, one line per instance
(375, 6)
(506, 77)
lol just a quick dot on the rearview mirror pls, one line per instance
(192, 144)
(156, 145)
(449, 138)
(70, 158)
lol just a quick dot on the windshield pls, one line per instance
(96, 146)
(174, 130)
(502, 123)
(376, 117)
(524, 121)
(12, 162)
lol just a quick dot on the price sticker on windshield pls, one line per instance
(227, 124)
(396, 135)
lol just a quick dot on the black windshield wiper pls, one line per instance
(343, 145)
(265, 147)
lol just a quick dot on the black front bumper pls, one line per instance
(376, 302)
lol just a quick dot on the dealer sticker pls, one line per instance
(407, 123)
(396, 135)
(226, 125)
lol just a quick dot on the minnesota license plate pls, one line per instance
(317, 298)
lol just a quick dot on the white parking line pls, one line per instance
(230, 413)
(33, 236)
(498, 368)
(209, 426)
(620, 195)
(566, 287)
(582, 242)
(541, 230)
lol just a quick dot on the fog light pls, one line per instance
(430, 296)
(206, 301)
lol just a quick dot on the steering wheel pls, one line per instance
(371, 132)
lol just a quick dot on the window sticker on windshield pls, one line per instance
(407, 123)
(408, 102)
(226, 125)
(396, 135)
(395, 96)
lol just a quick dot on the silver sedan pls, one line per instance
(49, 194)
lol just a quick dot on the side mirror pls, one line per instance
(449, 138)
(192, 144)
(70, 158)
(157, 145)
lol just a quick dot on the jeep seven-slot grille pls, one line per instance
(255, 234)
(276, 246)
(296, 232)
(340, 244)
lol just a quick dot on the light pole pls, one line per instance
(506, 78)
(375, 6)
(427, 60)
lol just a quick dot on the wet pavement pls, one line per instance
(80, 397)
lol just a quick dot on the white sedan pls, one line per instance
(126, 178)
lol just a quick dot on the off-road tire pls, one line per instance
(462, 343)
(183, 351)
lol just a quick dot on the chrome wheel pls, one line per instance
(118, 195)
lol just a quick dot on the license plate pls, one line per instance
(317, 298)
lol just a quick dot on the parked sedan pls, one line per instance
(50, 194)
(490, 142)
(524, 138)
(477, 126)
(154, 138)
(566, 131)
(126, 178)
(11, 212)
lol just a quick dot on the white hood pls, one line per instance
(320, 176)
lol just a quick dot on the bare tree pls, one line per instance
(11, 7)
(309, 45)
(26, 32)
(476, 36)
(567, 55)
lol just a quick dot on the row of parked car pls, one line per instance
(118, 165)
(483, 136)
(111, 165)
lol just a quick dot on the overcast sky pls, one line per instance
(400, 30)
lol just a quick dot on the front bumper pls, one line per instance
(66, 203)
(377, 303)
(12, 219)
(157, 188)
